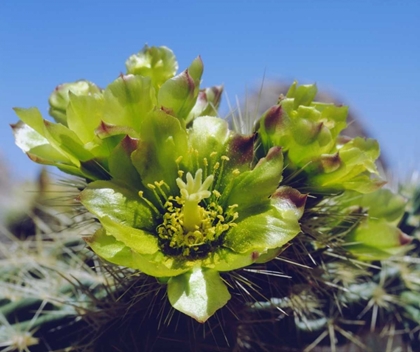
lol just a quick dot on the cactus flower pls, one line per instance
(90, 122)
(193, 208)
(309, 132)
(178, 195)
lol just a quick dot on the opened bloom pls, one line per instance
(178, 195)
(194, 208)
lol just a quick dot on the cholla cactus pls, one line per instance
(215, 216)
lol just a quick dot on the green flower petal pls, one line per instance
(67, 141)
(158, 63)
(128, 101)
(267, 230)
(290, 202)
(225, 259)
(136, 239)
(60, 98)
(114, 251)
(179, 94)
(33, 118)
(84, 115)
(209, 134)
(251, 189)
(158, 265)
(120, 165)
(207, 103)
(382, 204)
(198, 293)
(375, 239)
(108, 248)
(163, 142)
(36, 145)
(355, 159)
(117, 203)
(303, 94)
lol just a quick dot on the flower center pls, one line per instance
(194, 223)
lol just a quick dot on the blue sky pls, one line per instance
(365, 52)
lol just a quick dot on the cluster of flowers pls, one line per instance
(182, 197)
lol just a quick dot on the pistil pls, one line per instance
(192, 193)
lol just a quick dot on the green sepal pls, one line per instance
(158, 63)
(377, 237)
(411, 305)
(198, 293)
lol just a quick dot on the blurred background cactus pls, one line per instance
(349, 281)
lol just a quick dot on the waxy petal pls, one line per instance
(179, 94)
(158, 265)
(157, 63)
(108, 248)
(224, 259)
(207, 103)
(60, 98)
(208, 135)
(32, 142)
(117, 203)
(302, 94)
(120, 165)
(164, 141)
(381, 204)
(266, 230)
(375, 239)
(128, 101)
(290, 201)
(84, 114)
(251, 189)
(356, 158)
(198, 293)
